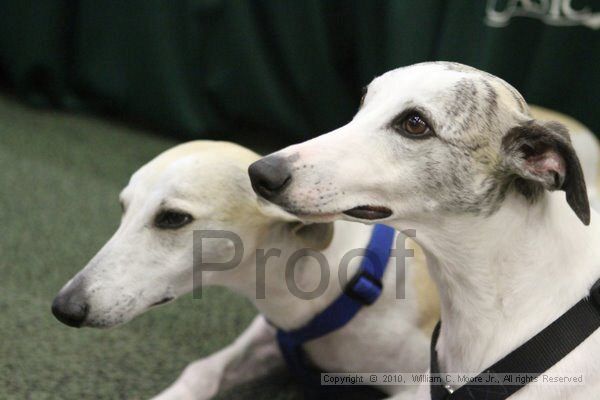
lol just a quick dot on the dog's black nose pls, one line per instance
(70, 308)
(269, 176)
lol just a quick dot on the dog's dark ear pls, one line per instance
(314, 236)
(541, 156)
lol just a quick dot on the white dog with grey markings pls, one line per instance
(204, 186)
(454, 153)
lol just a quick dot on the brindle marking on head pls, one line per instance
(452, 66)
(473, 106)
(470, 125)
(472, 103)
(491, 99)
(451, 188)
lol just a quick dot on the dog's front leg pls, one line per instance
(254, 354)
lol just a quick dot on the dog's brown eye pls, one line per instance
(171, 219)
(415, 125)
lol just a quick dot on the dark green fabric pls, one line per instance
(286, 68)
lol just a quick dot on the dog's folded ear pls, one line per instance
(316, 236)
(540, 155)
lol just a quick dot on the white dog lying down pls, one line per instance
(454, 153)
(204, 185)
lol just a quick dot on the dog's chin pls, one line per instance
(315, 217)
(102, 324)
(109, 321)
(369, 212)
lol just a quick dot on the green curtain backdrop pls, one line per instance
(285, 68)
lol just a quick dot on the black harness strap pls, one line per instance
(533, 357)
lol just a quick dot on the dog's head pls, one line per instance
(429, 138)
(149, 260)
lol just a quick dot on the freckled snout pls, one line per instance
(270, 176)
(70, 306)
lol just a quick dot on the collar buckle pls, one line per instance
(364, 288)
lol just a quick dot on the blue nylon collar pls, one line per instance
(363, 289)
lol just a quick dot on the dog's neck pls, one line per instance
(280, 304)
(505, 277)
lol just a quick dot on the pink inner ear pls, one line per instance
(548, 161)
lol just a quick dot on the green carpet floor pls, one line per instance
(59, 180)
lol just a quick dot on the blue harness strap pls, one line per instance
(362, 290)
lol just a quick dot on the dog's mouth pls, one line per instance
(369, 212)
(162, 301)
